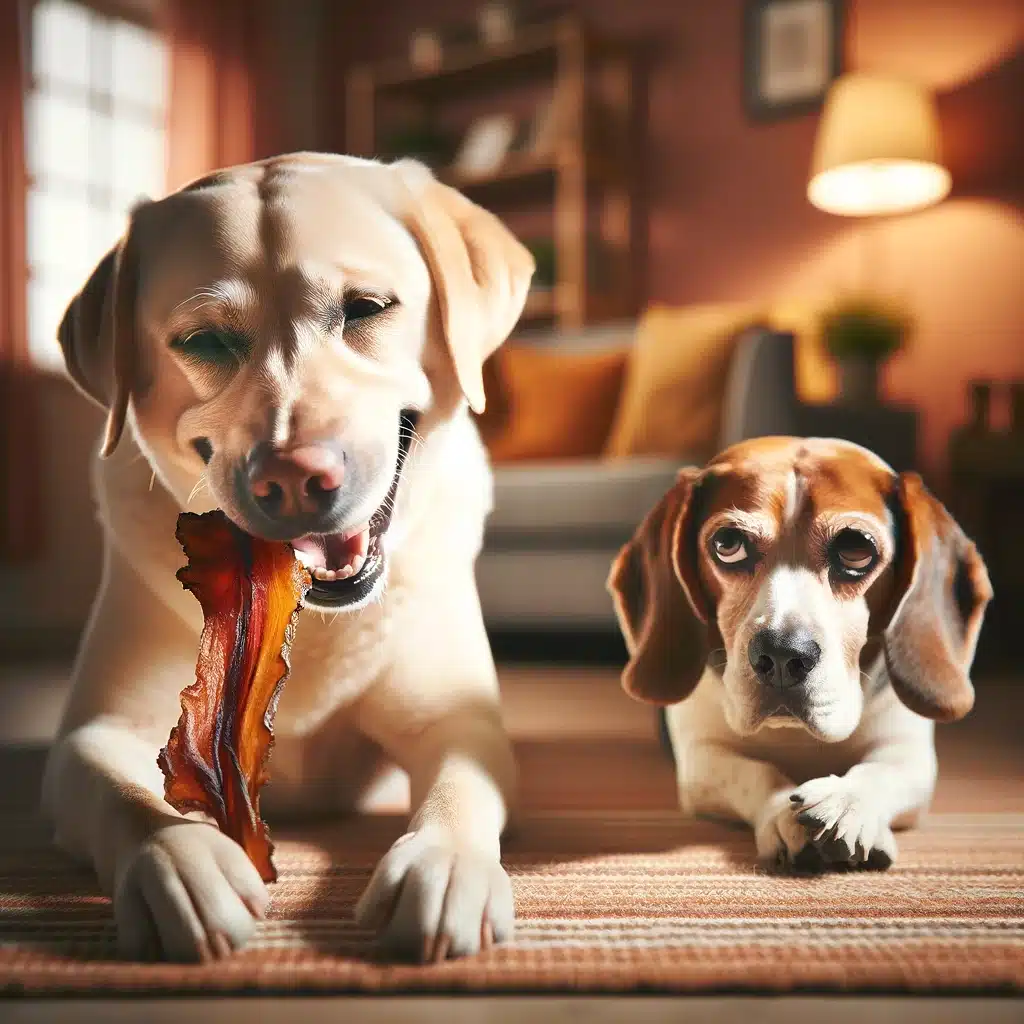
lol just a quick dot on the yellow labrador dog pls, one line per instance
(294, 341)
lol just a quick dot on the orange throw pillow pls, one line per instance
(553, 405)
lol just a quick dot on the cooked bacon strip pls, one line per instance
(215, 760)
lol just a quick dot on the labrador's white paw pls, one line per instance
(431, 898)
(186, 893)
(845, 828)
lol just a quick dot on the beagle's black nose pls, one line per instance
(783, 658)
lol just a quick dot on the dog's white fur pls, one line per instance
(850, 761)
(407, 679)
(858, 789)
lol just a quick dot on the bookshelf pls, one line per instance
(580, 186)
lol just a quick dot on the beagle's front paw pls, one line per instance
(845, 828)
(781, 840)
(431, 898)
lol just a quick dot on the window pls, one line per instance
(95, 138)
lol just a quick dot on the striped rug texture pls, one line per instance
(615, 892)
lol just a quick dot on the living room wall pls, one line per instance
(727, 214)
(44, 602)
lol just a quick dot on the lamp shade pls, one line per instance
(877, 149)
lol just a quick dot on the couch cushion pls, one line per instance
(576, 503)
(547, 589)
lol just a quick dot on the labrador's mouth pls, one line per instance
(346, 567)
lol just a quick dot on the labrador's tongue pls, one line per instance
(335, 556)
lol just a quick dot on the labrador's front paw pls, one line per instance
(845, 828)
(187, 892)
(432, 898)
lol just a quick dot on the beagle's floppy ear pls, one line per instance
(97, 336)
(659, 601)
(942, 588)
(481, 273)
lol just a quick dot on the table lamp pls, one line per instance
(877, 153)
(878, 150)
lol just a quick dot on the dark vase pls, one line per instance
(858, 380)
(979, 401)
(1017, 405)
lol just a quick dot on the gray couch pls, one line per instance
(557, 526)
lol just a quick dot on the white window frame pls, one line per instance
(79, 173)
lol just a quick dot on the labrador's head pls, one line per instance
(280, 330)
(786, 567)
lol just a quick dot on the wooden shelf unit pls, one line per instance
(585, 183)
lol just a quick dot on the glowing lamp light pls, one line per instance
(877, 150)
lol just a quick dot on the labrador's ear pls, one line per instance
(941, 591)
(97, 336)
(481, 273)
(659, 601)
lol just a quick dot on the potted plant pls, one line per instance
(543, 252)
(860, 334)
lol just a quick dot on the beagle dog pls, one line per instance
(806, 614)
(295, 342)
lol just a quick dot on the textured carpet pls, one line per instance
(615, 892)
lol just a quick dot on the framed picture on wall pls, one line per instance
(792, 53)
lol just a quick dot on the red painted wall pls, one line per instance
(727, 213)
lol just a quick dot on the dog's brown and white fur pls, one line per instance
(821, 541)
(290, 259)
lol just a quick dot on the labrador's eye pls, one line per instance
(364, 306)
(211, 348)
(853, 553)
(730, 546)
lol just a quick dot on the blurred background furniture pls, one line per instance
(986, 494)
(890, 431)
(557, 524)
(715, 204)
(562, 177)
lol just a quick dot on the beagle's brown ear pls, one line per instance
(97, 336)
(481, 273)
(659, 602)
(941, 591)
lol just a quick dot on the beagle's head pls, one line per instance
(787, 567)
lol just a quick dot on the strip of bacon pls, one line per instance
(215, 761)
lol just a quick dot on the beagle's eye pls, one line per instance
(853, 554)
(730, 546)
(211, 348)
(364, 306)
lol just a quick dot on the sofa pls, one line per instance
(557, 524)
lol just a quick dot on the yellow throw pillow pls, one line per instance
(556, 405)
(675, 383)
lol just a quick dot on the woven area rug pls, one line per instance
(615, 892)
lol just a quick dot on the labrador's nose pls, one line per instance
(783, 658)
(295, 483)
